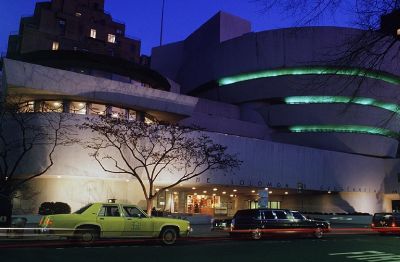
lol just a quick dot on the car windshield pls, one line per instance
(83, 209)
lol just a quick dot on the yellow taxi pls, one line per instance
(112, 220)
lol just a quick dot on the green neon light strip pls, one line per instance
(343, 129)
(342, 99)
(392, 79)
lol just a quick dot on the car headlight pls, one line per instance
(49, 222)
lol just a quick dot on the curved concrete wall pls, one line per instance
(284, 86)
(354, 143)
(265, 164)
(282, 48)
(291, 48)
(330, 114)
(281, 117)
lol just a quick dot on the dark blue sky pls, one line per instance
(142, 17)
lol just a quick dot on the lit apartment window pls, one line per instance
(97, 109)
(78, 108)
(51, 106)
(93, 33)
(132, 115)
(27, 107)
(149, 120)
(117, 112)
(56, 46)
(111, 38)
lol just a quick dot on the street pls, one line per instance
(336, 247)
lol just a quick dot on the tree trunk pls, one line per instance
(5, 211)
(150, 206)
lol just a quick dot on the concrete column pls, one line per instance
(66, 106)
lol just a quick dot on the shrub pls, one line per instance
(52, 208)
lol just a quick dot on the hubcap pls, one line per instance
(87, 236)
(318, 233)
(256, 234)
(169, 237)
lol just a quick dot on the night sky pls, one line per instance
(142, 17)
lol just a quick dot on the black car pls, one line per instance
(386, 223)
(326, 226)
(256, 223)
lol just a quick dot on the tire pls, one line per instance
(256, 234)
(168, 236)
(318, 233)
(87, 236)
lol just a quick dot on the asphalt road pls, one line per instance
(366, 248)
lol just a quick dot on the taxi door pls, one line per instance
(111, 221)
(137, 224)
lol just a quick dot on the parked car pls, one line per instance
(256, 223)
(110, 220)
(221, 224)
(386, 223)
(299, 217)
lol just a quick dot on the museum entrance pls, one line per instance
(203, 204)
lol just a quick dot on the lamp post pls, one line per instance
(162, 22)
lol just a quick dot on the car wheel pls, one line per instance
(256, 234)
(168, 236)
(87, 236)
(318, 233)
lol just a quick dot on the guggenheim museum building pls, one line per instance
(312, 136)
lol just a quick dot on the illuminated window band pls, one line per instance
(292, 100)
(392, 79)
(343, 129)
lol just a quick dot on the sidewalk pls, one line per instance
(205, 231)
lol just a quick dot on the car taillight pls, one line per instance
(393, 224)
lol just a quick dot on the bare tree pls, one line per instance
(378, 40)
(365, 14)
(370, 50)
(150, 152)
(27, 145)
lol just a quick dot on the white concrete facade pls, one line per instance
(339, 172)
